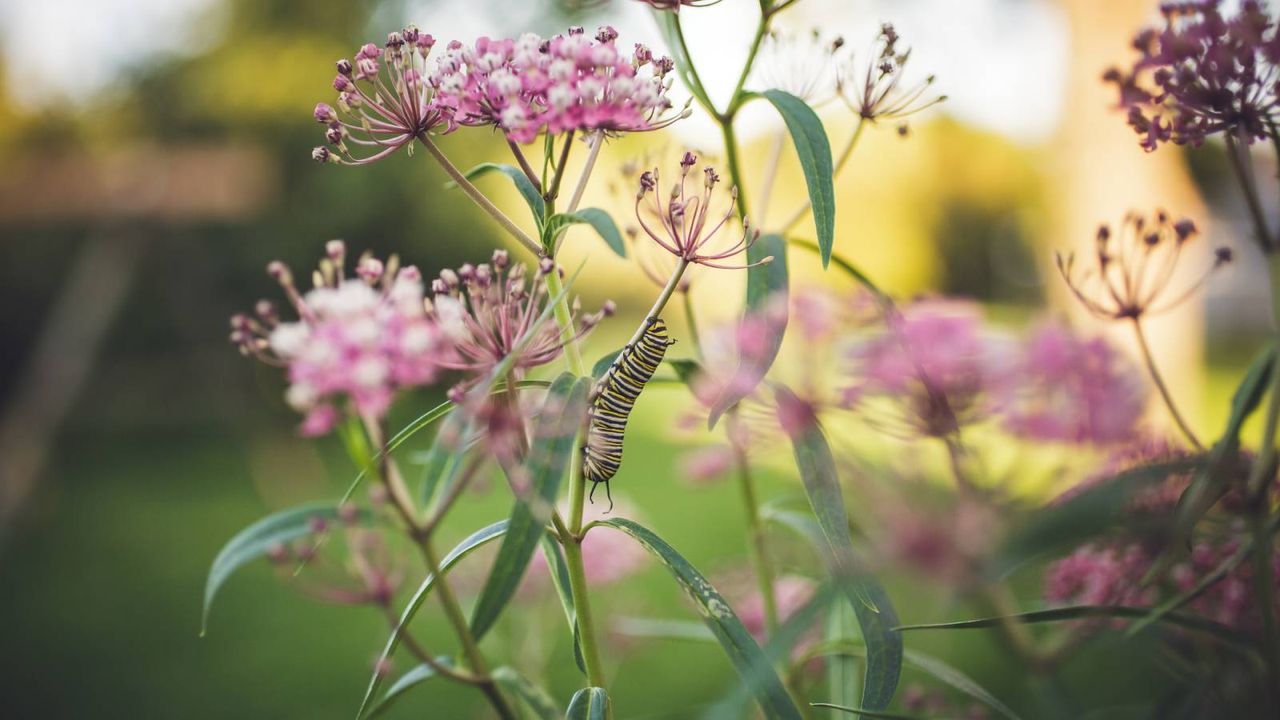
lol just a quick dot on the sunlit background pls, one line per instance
(154, 156)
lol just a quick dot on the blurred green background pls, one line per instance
(144, 188)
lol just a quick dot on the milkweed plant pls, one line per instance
(1164, 537)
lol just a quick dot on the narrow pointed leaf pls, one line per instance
(532, 198)
(746, 656)
(415, 676)
(602, 365)
(863, 712)
(870, 603)
(533, 697)
(1090, 512)
(461, 550)
(814, 151)
(560, 579)
(589, 704)
(553, 446)
(1211, 481)
(1186, 621)
(256, 540)
(767, 292)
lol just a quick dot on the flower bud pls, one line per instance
(324, 114)
(344, 67)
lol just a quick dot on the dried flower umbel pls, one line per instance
(1132, 269)
(682, 224)
(881, 93)
(1205, 72)
(807, 65)
(384, 101)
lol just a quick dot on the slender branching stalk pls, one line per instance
(1162, 387)
(761, 564)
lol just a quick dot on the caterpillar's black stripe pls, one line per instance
(615, 395)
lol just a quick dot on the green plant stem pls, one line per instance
(759, 544)
(478, 197)
(407, 639)
(524, 164)
(1158, 379)
(692, 321)
(1238, 155)
(735, 166)
(400, 498)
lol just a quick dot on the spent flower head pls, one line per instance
(359, 339)
(1205, 72)
(487, 311)
(880, 91)
(384, 101)
(529, 85)
(807, 65)
(1132, 270)
(682, 222)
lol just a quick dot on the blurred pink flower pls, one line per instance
(942, 543)
(1065, 388)
(706, 464)
(528, 85)
(932, 361)
(361, 339)
(1100, 575)
(790, 593)
(608, 555)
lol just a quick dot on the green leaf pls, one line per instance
(461, 550)
(743, 652)
(256, 540)
(764, 282)
(589, 704)
(560, 579)
(553, 446)
(686, 370)
(527, 191)
(876, 616)
(412, 678)
(863, 712)
(534, 697)
(602, 365)
(1211, 481)
(1185, 621)
(1090, 512)
(598, 219)
(814, 152)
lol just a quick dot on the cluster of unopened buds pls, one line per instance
(524, 86)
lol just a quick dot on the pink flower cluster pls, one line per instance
(1205, 72)
(529, 85)
(1100, 575)
(933, 360)
(1062, 387)
(360, 339)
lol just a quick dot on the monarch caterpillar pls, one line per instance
(615, 395)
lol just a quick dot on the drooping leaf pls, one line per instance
(535, 698)
(870, 603)
(589, 704)
(599, 221)
(531, 196)
(560, 579)
(461, 550)
(1211, 481)
(814, 151)
(553, 446)
(258, 539)
(743, 652)
(1070, 522)
(767, 292)
(1186, 621)
(415, 676)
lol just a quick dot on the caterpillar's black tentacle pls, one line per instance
(615, 395)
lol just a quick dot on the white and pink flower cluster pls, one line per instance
(529, 85)
(361, 338)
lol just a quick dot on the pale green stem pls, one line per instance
(478, 197)
(758, 546)
(1156, 378)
